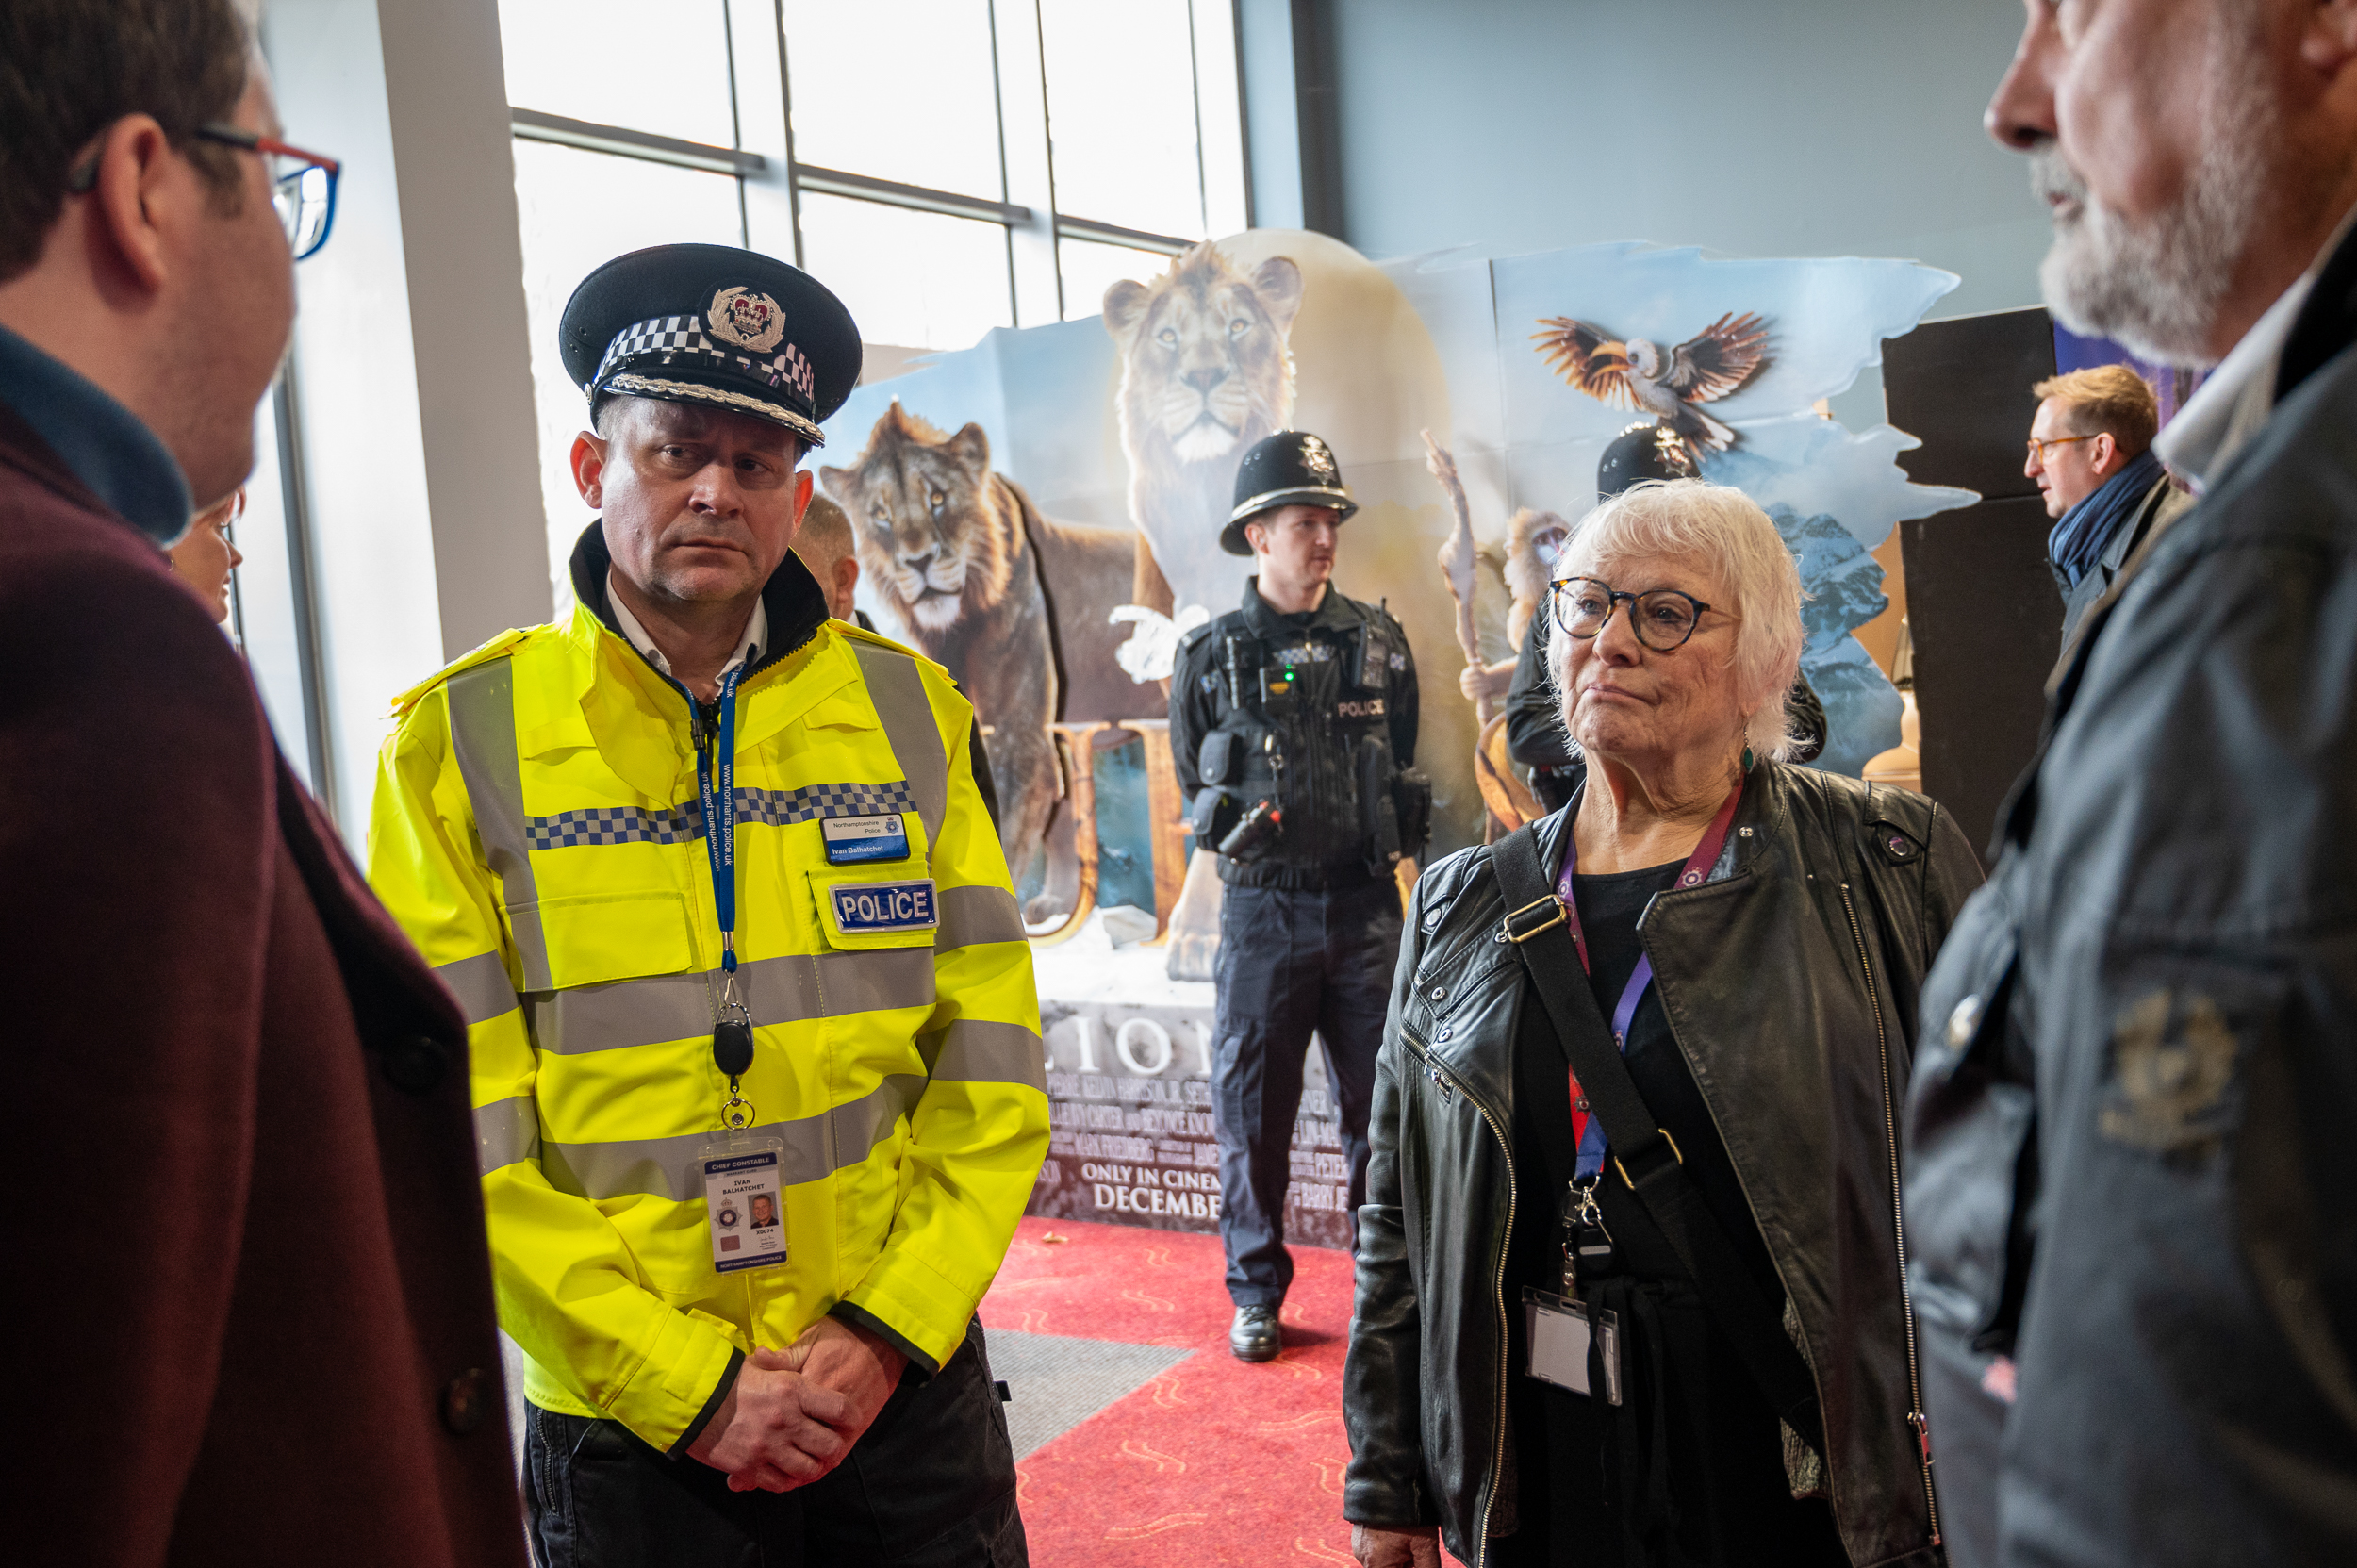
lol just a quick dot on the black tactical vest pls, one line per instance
(1301, 786)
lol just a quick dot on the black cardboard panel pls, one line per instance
(1962, 387)
(1986, 619)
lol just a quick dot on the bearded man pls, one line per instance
(2129, 1114)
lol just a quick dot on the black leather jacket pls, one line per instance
(1790, 981)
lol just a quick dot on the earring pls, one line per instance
(1747, 759)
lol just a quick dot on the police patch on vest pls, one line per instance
(1371, 708)
(871, 908)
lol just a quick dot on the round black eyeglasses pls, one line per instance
(1663, 618)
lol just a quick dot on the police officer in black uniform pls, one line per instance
(1292, 724)
(1534, 719)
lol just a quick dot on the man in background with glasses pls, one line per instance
(2091, 453)
(246, 1241)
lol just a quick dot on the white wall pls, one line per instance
(413, 390)
(1801, 127)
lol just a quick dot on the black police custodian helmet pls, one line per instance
(1643, 452)
(713, 325)
(1290, 466)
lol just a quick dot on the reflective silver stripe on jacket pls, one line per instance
(970, 916)
(481, 985)
(816, 1147)
(898, 688)
(795, 988)
(975, 1050)
(506, 1131)
(483, 739)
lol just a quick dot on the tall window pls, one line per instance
(945, 166)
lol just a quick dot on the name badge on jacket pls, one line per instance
(856, 840)
(875, 908)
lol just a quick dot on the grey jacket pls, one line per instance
(2131, 1163)
(1789, 979)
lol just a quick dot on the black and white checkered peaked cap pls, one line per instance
(713, 325)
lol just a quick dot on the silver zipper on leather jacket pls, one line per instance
(1916, 1417)
(1448, 1087)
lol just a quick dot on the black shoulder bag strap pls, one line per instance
(1644, 1155)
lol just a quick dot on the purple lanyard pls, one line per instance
(1589, 1130)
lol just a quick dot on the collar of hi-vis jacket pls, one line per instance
(617, 690)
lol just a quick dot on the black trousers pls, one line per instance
(1290, 964)
(929, 1485)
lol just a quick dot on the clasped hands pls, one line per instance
(792, 1415)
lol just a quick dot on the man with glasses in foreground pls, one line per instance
(2091, 453)
(250, 1298)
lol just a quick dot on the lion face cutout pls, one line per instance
(919, 506)
(1206, 369)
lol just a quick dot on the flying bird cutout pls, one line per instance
(1666, 383)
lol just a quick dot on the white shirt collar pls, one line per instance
(756, 632)
(2239, 395)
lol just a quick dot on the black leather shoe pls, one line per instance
(1255, 1336)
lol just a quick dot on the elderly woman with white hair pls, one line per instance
(1631, 1284)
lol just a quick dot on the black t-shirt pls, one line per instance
(1609, 909)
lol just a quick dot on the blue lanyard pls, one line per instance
(716, 788)
(1587, 1128)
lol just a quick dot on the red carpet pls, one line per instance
(1213, 1462)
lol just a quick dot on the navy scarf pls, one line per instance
(2081, 534)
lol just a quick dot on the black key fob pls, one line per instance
(733, 1048)
(1593, 1251)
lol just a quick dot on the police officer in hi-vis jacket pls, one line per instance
(758, 1082)
(1292, 724)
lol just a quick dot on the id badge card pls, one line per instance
(1559, 1333)
(857, 840)
(745, 1201)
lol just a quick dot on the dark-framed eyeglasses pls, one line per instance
(302, 184)
(1663, 618)
(2038, 448)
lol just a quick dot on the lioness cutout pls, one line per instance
(961, 556)
(1206, 370)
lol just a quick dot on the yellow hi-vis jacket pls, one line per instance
(536, 830)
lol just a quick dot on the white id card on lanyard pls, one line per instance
(1560, 1331)
(743, 1180)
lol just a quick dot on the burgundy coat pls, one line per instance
(248, 1303)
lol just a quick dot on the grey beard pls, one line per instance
(2156, 283)
(2153, 285)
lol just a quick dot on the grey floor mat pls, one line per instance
(1058, 1382)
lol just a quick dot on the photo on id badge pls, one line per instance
(744, 1198)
